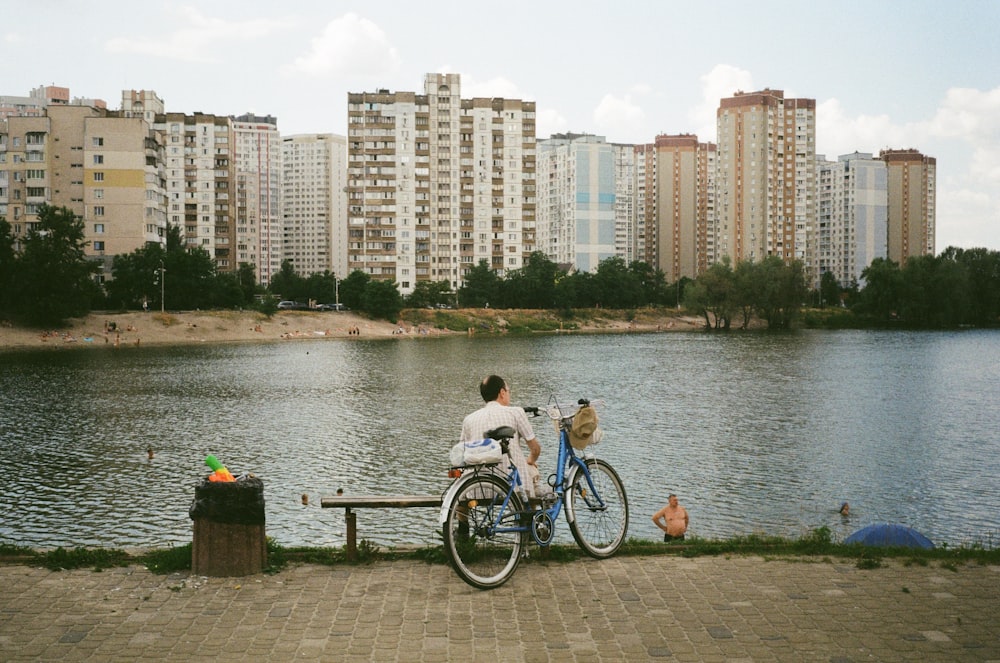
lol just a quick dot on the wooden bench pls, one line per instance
(372, 502)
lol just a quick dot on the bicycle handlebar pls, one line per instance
(557, 410)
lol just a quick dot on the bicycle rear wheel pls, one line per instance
(597, 510)
(482, 556)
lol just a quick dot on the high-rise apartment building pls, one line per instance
(199, 178)
(912, 184)
(851, 227)
(576, 214)
(315, 222)
(257, 156)
(766, 176)
(437, 184)
(685, 170)
(625, 201)
(106, 168)
(644, 219)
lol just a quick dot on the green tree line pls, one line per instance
(49, 279)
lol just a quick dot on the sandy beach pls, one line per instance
(104, 329)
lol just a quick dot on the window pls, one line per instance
(98, 159)
(98, 245)
(98, 177)
(98, 141)
(98, 228)
(98, 193)
(99, 210)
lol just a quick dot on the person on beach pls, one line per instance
(672, 519)
(845, 509)
(498, 412)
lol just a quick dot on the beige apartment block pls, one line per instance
(106, 168)
(685, 212)
(912, 184)
(766, 177)
(437, 183)
(314, 203)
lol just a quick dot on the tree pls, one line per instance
(352, 289)
(53, 279)
(481, 286)
(135, 277)
(532, 286)
(829, 290)
(287, 284)
(881, 296)
(381, 299)
(247, 277)
(7, 262)
(616, 285)
(430, 294)
(783, 291)
(719, 284)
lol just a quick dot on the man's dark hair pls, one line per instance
(490, 387)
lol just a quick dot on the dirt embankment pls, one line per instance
(153, 328)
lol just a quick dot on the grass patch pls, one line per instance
(815, 546)
(166, 319)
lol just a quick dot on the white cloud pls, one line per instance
(723, 81)
(349, 46)
(618, 118)
(495, 87)
(837, 133)
(13, 38)
(202, 39)
(549, 121)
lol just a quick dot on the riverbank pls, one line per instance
(104, 329)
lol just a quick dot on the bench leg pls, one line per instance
(352, 534)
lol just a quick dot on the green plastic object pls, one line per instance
(214, 463)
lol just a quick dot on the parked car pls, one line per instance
(330, 307)
(287, 305)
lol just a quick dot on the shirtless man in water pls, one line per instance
(672, 519)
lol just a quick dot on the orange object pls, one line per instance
(221, 475)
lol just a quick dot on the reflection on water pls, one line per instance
(755, 432)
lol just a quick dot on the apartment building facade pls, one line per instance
(577, 193)
(766, 177)
(105, 167)
(685, 171)
(437, 183)
(314, 204)
(852, 214)
(644, 219)
(912, 214)
(257, 154)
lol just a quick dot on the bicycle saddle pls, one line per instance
(501, 433)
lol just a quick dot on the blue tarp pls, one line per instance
(890, 534)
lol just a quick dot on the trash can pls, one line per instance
(229, 535)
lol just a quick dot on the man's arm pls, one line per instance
(535, 450)
(660, 516)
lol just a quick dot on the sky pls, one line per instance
(921, 74)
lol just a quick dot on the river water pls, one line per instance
(757, 433)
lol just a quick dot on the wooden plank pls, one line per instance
(380, 501)
(372, 502)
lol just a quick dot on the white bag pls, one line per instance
(475, 452)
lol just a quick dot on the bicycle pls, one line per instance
(486, 522)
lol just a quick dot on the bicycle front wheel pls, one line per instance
(483, 538)
(597, 508)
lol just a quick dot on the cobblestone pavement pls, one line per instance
(659, 608)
